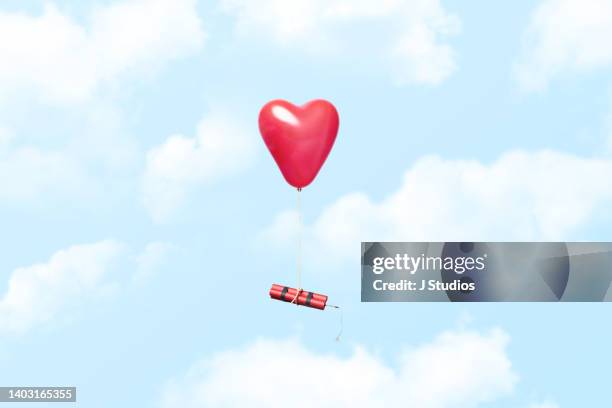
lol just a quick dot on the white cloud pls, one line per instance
(151, 259)
(564, 37)
(406, 35)
(471, 368)
(521, 196)
(58, 288)
(73, 157)
(221, 147)
(58, 59)
(41, 292)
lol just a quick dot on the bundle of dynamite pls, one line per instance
(298, 296)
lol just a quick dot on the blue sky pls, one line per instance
(143, 221)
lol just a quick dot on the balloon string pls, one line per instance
(299, 240)
(299, 248)
(341, 320)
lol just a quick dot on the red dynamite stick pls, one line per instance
(308, 299)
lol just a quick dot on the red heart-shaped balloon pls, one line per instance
(299, 137)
